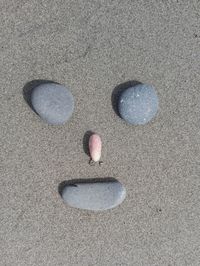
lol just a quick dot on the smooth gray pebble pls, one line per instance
(94, 196)
(53, 102)
(139, 104)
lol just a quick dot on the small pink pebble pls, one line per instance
(95, 145)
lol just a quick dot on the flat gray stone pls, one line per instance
(138, 105)
(53, 103)
(94, 196)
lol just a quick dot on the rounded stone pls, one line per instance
(53, 103)
(138, 105)
(96, 196)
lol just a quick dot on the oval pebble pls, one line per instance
(95, 145)
(96, 196)
(138, 105)
(53, 103)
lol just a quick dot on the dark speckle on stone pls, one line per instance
(159, 210)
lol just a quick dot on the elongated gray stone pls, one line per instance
(94, 196)
(139, 104)
(53, 103)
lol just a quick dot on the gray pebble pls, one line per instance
(53, 103)
(94, 196)
(139, 104)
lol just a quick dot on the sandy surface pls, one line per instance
(92, 47)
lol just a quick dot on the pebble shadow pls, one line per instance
(28, 89)
(86, 138)
(118, 91)
(72, 182)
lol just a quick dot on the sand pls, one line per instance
(93, 47)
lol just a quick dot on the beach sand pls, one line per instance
(93, 48)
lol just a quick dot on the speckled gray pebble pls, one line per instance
(139, 104)
(94, 196)
(53, 103)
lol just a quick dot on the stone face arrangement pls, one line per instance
(53, 103)
(138, 105)
(96, 196)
